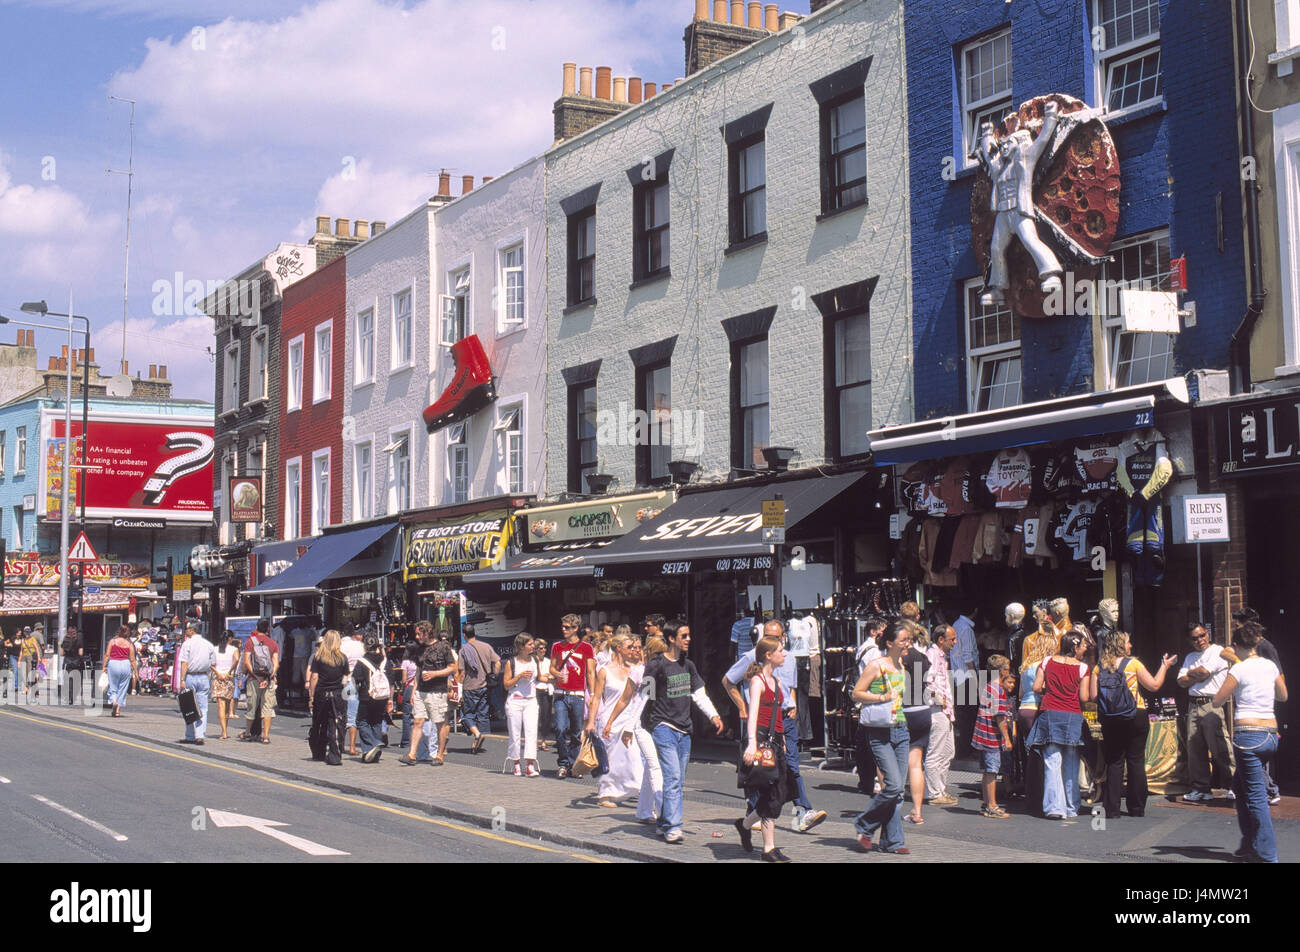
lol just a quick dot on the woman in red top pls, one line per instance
(765, 726)
(1065, 685)
(120, 666)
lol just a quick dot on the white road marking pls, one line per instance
(224, 819)
(77, 816)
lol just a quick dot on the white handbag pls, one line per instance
(102, 681)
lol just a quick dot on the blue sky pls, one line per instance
(244, 130)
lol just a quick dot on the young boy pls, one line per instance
(992, 735)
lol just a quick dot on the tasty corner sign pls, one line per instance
(455, 547)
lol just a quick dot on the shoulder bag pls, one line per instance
(764, 770)
(878, 713)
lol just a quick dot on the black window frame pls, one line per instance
(736, 197)
(643, 199)
(738, 458)
(833, 191)
(646, 452)
(577, 468)
(848, 302)
(577, 222)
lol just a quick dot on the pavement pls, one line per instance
(473, 792)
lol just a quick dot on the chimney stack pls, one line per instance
(771, 17)
(322, 224)
(341, 228)
(603, 74)
(584, 81)
(788, 20)
(444, 184)
(377, 227)
(634, 89)
(361, 228)
(570, 79)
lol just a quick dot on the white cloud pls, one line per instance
(178, 344)
(385, 195)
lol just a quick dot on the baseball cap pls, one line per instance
(27, 630)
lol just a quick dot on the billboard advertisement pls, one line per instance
(140, 466)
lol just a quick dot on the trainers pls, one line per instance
(1195, 796)
(562, 773)
(519, 772)
(1231, 796)
(673, 836)
(532, 771)
(810, 819)
(1275, 799)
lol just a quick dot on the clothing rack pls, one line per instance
(843, 627)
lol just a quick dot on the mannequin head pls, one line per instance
(1015, 614)
(1108, 612)
(1060, 609)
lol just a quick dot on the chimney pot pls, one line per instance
(755, 15)
(361, 228)
(634, 89)
(701, 9)
(322, 224)
(153, 371)
(737, 12)
(620, 89)
(788, 20)
(771, 17)
(570, 79)
(603, 75)
(126, 367)
(92, 356)
(466, 184)
(488, 178)
(377, 227)
(54, 363)
(650, 90)
(63, 363)
(162, 371)
(584, 81)
(444, 184)
(64, 355)
(666, 87)
(341, 227)
(719, 11)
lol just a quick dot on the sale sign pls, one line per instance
(137, 465)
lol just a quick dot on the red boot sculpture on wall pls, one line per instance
(471, 389)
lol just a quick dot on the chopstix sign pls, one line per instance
(161, 466)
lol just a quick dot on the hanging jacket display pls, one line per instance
(1010, 479)
(1095, 463)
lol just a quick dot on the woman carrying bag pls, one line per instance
(329, 669)
(763, 773)
(880, 691)
(120, 667)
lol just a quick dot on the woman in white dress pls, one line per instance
(521, 679)
(616, 733)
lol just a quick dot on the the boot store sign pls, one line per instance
(1259, 436)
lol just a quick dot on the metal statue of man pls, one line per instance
(1011, 167)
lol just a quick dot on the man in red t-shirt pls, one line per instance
(573, 666)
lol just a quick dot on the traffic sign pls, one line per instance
(181, 583)
(82, 550)
(774, 535)
(92, 589)
(773, 513)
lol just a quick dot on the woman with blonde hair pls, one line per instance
(1124, 735)
(625, 770)
(329, 670)
(1038, 647)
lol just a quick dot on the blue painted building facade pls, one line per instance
(1178, 155)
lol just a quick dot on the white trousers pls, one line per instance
(521, 717)
(650, 802)
(938, 755)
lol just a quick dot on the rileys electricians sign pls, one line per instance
(456, 548)
(139, 466)
(1259, 436)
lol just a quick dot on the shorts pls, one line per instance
(429, 706)
(255, 695)
(990, 760)
(918, 728)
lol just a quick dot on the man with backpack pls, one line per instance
(261, 662)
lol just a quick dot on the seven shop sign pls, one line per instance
(1259, 436)
(455, 549)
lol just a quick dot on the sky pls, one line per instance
(250, 119)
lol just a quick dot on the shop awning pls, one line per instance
(1128, 408)
(45, 601)
(716, 530)
(327, 555)
(536, 572)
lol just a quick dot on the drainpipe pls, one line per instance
(1239, 344)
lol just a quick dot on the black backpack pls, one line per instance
(1114, 699)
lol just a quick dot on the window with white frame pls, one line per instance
(293, 393)
(320, 491)
(985, 86)
(401, 463)
(1286, 168)
(366, 346)
(1286, 17)
(992, 352)
(458, 461)
(3, 443)
(510, 438)
(323, 370)
(1128, 32)
(230, 390)
(510, 288)
(258, 366)
(455, 309)
(20, 451)
(363, 503)
(1140, 263)
(292, 498)
(403, 330)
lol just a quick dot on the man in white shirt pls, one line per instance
(196, 657)
(1209, 752)
(353, 648)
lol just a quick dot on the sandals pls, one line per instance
(266, 740)
(995, 813)
(915, 818)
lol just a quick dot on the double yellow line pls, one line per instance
(205, 762)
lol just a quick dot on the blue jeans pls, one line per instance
(1255, 747)
(1061, 780)
(884, 812)
(674, 749)
(371, 733)
(119, 679)
(475, 710)
(569, 715)
(201, 685)
(352, 710)
(791, 727)
(17, 670)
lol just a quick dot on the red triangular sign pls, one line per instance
(82, 550)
